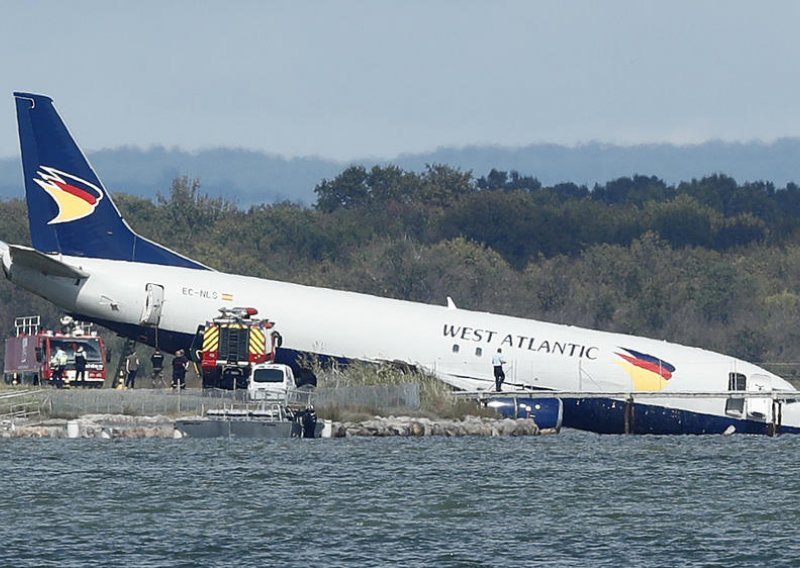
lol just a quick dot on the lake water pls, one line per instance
(574, 499)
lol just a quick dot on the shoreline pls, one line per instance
(114, 426)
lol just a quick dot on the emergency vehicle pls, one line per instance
(29, 353)
(271, 381)
(231, 344)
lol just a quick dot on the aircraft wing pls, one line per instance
(33, 259)
(473, 383)
(462, 382)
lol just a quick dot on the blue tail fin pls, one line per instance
(69, 210)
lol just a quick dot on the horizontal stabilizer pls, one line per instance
(25, 256)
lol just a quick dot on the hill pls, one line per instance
(247, 177)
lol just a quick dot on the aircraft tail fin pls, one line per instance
(69, 210)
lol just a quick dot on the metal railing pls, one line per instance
(68, 403)
(631, 395)
(404, 396)
(21, 404)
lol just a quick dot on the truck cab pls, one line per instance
(270, 381)
(29, 353)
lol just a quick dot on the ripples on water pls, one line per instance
(574, 499)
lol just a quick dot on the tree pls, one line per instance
(498, 179)
(186, 214)
(347, 190)
(682, 221)
(739, 231)
(636, 190)
(391, 184)
(713, 191)
(443, 185)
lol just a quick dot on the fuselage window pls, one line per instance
(478, 351)
(455, 348)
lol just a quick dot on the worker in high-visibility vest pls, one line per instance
(59, 364)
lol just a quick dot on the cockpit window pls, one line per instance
(737, 382)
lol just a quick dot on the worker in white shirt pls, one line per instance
(499, 375)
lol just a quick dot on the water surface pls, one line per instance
(575, 499)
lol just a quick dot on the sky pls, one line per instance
(352, 79)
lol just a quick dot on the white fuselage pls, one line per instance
(456, 345)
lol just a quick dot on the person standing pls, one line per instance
(59, 363)
(499, 374)
(157, 360)
(179, 364)
(80, 364)
(131, 368)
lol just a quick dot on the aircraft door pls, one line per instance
(153, 302)
(735, 406)
(759, 408)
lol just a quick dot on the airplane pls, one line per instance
(89, 262)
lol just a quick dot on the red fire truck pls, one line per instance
(29, 353)
(228, 346)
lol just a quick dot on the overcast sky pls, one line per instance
(346, 79)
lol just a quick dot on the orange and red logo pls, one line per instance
(76, 198)
(647, 371)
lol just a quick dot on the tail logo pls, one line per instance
(76, 198)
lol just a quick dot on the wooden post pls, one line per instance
(629, 416)
(772, 427)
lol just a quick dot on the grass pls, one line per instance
(436, 398)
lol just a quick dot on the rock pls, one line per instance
(407, 426)
(416, 429)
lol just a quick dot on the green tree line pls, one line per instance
(707, 262)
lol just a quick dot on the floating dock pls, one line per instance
(245, 423)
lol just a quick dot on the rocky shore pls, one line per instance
(91, 426)
(123, 426)
(411, 426)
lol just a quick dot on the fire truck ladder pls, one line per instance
(231, 344)
(234, 342)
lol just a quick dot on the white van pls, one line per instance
(270, 381)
